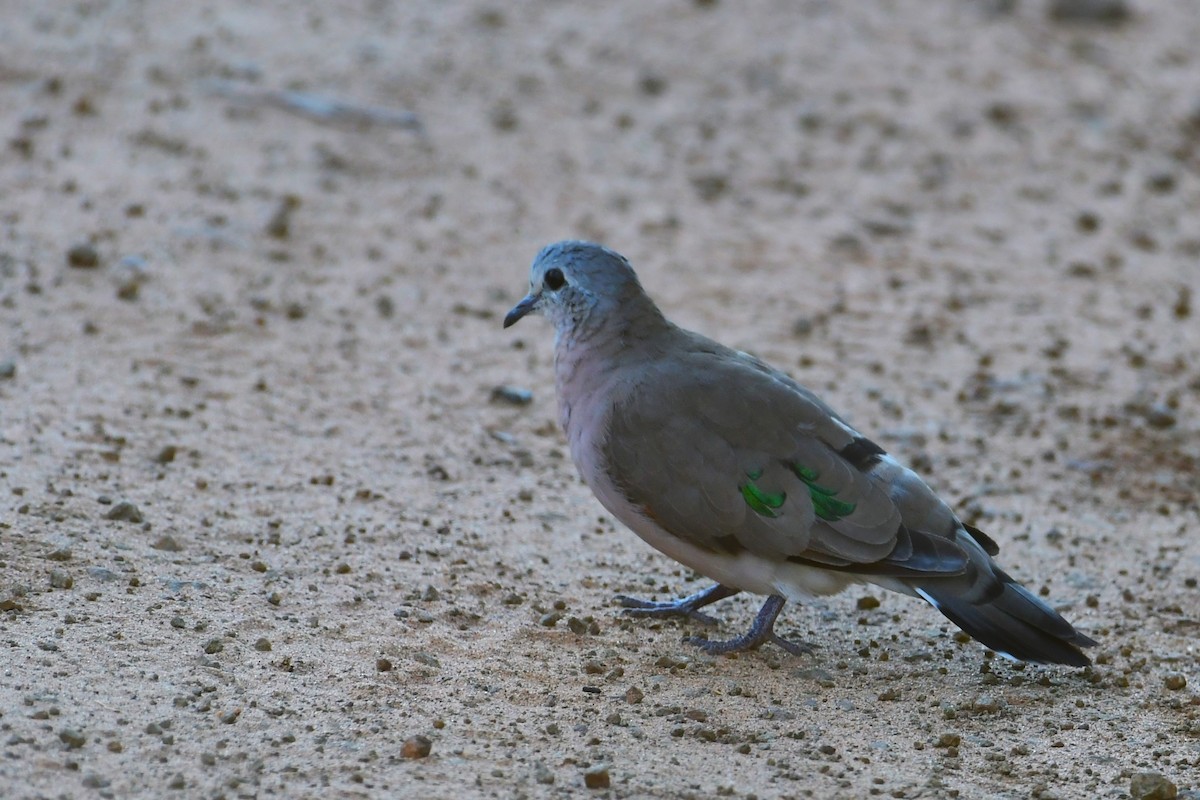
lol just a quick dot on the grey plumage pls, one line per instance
(732, 468)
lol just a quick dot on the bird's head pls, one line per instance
(581, 286)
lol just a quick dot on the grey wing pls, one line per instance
(729, 455)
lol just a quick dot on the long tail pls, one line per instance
(992, 607)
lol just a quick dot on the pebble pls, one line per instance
(61, 554)
(513, 395)
(124, 511)
(1152, 786)
(634, 695)
(1159, 416)
(948, 740)
(597, 777)
(167, 454)
(280, 223)
(214, 646)
(1175, 681)
(383, 665)
(61, 579)
(1107, 11)
(504, 117)
(262, 645)
(867, 603)
(416, 747)
(167, 544)
(94, 781)
(8, 370)
(83, 256)
(72, 738)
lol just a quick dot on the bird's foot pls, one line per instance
(684, 607)
(761, 632)
(742, 644)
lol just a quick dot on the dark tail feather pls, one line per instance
(1003, 615)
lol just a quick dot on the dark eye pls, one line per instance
(554, 279)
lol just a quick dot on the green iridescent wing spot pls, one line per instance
(825, 504)
(760, 502)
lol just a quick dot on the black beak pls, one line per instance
(520, 309)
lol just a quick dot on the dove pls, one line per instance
(733, 469)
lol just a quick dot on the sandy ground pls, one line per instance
(276, 334)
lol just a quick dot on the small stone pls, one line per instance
(597, 777)
(710, 186)
(167, 454)
(383, 665)
(8, 370)
(230, 717)
(504, 116)
(177, 782)
(94, 781)
(1152, 786)
(1175, 681)
(83, 256)
(1105, 11)
(61, 554)
(550, 620)
(513, 395)
(124, 511)
(948, 740)
(634, 695)
(867, 603)
(416, 747)
(167, 544)
(178, 622)
(386, 306)
(72, 738)
(214, 646)
(1161, 182)
(652, 84)
(985, 704)
(428, 659)
(280, 223)
(61, 579)
(262, 644)
(1159, 416)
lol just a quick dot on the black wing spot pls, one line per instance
(982, 539)
(862, 453)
